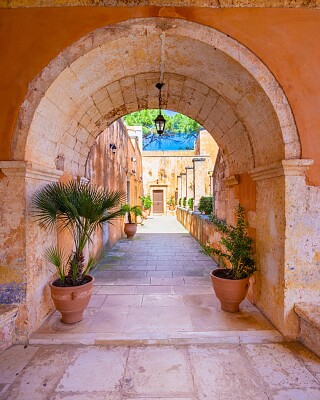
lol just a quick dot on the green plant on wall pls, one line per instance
(238, 247)
(190, 203)
(184, 202)
(205, 204)
(180, 201)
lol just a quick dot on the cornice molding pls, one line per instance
(231, 180)
(283, 168)
(26, 169)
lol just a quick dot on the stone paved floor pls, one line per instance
(208, 372)
(156, 288)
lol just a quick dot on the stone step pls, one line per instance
(309, 318)
(8, 314)
(147, 338)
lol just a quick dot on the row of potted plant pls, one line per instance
(81, 209)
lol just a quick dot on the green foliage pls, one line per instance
(238, 246)
(177, 123)
(190, 203)
(58, 258)
(80, 209)
(171, 201)
(146, 202)
(205, 204)
(180, 201)
(131, 212)
(184, 202)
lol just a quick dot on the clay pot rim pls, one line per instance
(225, 279)
(72, 287)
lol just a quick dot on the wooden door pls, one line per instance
(158, 201)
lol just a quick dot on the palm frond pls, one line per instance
(91, 261)
(79, 208)
(58, 258)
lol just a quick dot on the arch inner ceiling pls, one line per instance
(114, 72)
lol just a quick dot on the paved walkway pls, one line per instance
(211, 372)
(156, 288)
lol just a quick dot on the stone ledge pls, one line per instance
(8, 315)
(309, 317)
(7, 312)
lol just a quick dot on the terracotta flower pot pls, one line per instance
(230, 292)
(72, 301)
(130, 229)
(145, 214)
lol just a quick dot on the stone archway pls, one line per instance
(118, 75)
(209, 77)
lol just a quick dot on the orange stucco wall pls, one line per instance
(286, 40)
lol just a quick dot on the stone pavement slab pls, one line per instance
(156, 287)
(203, 372)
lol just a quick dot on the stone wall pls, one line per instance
(119, 171)
(25, 272)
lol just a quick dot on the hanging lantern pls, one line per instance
(160, 122)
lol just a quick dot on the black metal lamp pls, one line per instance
(113, 147)
(160, 121)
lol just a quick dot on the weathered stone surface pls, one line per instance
(151, 372)
(8, 314)
(42, 374)
(21, 356)
(297, 394)
(274, 369)
(219, 371)
(108, 369)
(309, 319)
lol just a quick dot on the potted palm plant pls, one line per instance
(130, 227)
(81, 209)
(231, 284)
(171, 203)
(146, 205)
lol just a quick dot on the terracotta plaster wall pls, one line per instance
(290, 34)
(135, 172)
(111, 172)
